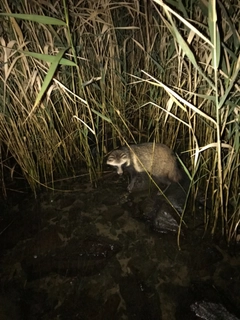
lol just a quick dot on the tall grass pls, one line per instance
(212, 84)
(78, 80)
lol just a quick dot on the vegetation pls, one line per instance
(81, 78)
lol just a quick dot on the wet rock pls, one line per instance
(161, 215)
(85, 258)
(162, 208)
(211, 311)
(205, 300)
(164, 221)
(177, 195)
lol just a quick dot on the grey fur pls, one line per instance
(155, 158)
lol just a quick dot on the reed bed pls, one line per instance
(79, 79)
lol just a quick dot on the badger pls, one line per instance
(146, 159)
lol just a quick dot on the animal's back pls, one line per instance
(156, 158)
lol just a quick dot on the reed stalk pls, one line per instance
(79, 80)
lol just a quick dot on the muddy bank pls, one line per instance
(86, 253)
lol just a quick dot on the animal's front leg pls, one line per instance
(133, 180)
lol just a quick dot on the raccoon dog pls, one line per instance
(154, 158)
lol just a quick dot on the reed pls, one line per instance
(78, 80)
(212, 87)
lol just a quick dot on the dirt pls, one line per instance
(80, 252)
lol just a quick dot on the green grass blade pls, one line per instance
(102, 116)
(214, 34)
(49, 58)
(48, 79)
(35, 18)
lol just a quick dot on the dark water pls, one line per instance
(85, 253)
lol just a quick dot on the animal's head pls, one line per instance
(118, 159)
